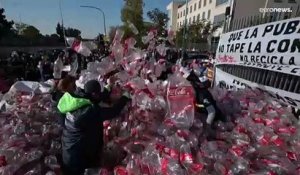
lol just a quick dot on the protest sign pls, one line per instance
(271, 43)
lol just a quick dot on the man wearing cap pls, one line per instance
(82, 137)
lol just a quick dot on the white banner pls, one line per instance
(230, 82)
(271, 43)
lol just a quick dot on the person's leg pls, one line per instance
(71, 170)
(73, 162)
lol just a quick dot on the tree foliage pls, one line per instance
(20, 34)
(159, 19)
(20, 27)
(31, 33)
(69, 32)
(59, 32)
(132, 12)
(5, 25)
(197, 32)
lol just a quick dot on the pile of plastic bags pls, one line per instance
(261, 138)
(30, 137)
(159, 132)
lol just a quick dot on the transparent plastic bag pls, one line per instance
(133, 28)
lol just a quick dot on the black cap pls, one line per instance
(92, 86)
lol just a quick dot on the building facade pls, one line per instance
(172, 14)
(214, 10)
(246, 8)
(210, 10)
(197, 10)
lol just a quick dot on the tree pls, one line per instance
(132, 12)
(20, 27)
(31, 33)
(148, 26)
(198, 32)
(5, 26)
(69, 32)
(59, 32)
(54, 37)
(160, 20)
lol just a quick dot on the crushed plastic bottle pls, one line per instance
(133, 28)
(162, 49)
(74, 66)
(57, 69)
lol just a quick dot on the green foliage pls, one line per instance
(159, 19)
(23, 34)
(69, 32)
(31, 33)
(132, 12)
(20, 27)
(148, 26)
(59, 32)
(197, 32)
(5, 26)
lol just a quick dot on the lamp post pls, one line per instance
(100, 10)
(185, 28)
(62, 23)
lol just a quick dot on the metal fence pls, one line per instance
(237, 24)
(278, 80)
(286, 82)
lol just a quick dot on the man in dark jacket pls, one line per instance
(206, 104)
(82, 138)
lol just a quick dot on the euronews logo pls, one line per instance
(271, 10)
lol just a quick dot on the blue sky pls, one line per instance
(44, 14)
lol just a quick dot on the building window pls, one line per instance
(195, 7)
(219, 19)
(183, 12)
(178, 15)
(278, 1)
(203, 15)
(208, 14)
(204, 3)
(219, 2)
(292, 1)
(190, 20)
(191, 9)
(198, 17)
(194, 19)
(210, 1)
(199, 5)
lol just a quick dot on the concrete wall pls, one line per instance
(246, 8)
(6, 51)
